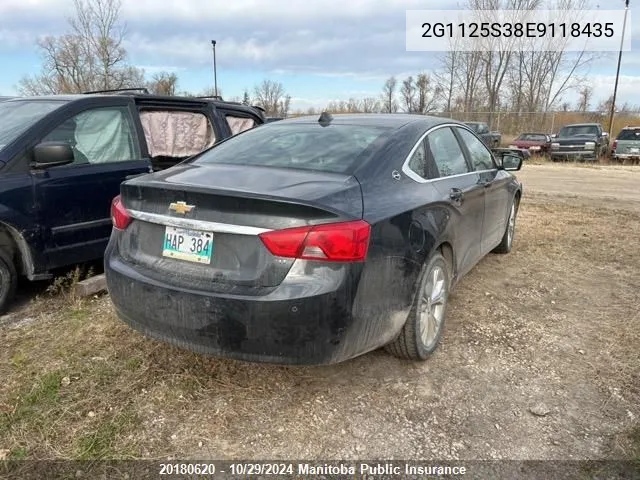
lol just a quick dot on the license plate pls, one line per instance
(190, 245)
(634, 150)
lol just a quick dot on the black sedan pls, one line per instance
(311, 240)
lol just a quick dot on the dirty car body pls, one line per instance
(306, 238)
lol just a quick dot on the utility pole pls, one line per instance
(215, 73)
(615, 88)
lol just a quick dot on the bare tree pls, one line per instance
(163, 83)
(427, 94)
(408, 92)
(210, 92)
(389, 102)
(370, 105)
(271, 96)
(584, 98)
(90, 57)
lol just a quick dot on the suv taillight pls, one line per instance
(615, 145)
(332, 242)
(119, 215)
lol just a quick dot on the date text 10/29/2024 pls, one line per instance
(284, 469)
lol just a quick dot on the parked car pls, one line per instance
(311, 241)
(62, 159)
(491, 139)
(535, 143)
(520, 152)
(626, 146)
(583, 142)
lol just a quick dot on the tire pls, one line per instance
(507, 239)
(414, 343)
(8, 281)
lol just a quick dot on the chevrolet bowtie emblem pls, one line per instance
(181, 207)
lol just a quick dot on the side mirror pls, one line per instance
(511, 163)
(51, 154)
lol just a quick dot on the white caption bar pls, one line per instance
(515, 30)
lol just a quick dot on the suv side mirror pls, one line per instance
(511, 162)
(51, 154)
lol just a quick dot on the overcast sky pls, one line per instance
(321, 50)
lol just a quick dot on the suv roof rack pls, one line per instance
(119, 90)
(211, 97)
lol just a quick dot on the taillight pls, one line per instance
(119, 215)
(615, 145)
(334, 242)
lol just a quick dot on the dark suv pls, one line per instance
(62, 159)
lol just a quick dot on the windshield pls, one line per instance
(533, 137)
(333, 148)
(17, 116)
(629, 134)
(579, 131)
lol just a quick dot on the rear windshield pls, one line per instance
(333, 148)
(629, 134)
(532, 137)
(17, 116)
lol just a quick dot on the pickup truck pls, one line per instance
(626, 146)
(581, 141)
(491, 139)
(62, 159)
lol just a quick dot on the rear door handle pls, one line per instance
(456, 195)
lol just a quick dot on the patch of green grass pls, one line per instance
(133, 363)
(18, 360)
(104, 442)
(18, 453)
(35, 406)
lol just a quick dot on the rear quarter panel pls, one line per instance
(404, 234)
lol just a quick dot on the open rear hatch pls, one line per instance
(198, 226)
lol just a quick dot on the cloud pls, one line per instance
(332, 36)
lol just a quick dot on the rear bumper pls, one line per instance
(626, 156)
(309, 323)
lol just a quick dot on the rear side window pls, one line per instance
(239, 124)
(333, 148)
(176, 134)
(447, 153)
(629, 134)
